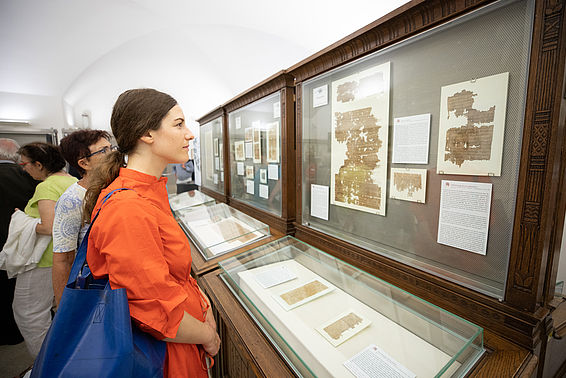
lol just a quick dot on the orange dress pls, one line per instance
(139, 245)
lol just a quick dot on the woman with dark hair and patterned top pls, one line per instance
(83, 150)
(33, 297)
(136, 241)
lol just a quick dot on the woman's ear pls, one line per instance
(147, 138)
(83, 163)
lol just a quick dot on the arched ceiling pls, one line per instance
(82, 50)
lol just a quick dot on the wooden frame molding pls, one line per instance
(540, 161)
(212, 115)
(270, 85)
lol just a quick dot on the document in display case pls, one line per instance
(189, 199)
(330, 319)
(219, 229)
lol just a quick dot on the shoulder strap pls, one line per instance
(80, 258)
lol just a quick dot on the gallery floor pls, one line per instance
(14, 360)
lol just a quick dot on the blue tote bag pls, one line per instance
(92, 334)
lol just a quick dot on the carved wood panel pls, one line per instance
(537, 189)
(299, 152)
(226, 147)
(245, 351)
(288, 145)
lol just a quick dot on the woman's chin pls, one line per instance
(180, 160)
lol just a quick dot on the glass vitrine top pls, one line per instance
(219, 229)
(329, 318)
(189, 199)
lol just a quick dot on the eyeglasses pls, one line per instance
(24, 163)
(103, 150)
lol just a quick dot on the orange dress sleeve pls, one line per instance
(132, 255)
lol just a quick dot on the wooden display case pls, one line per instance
(516, 316)
(246, 352)
(214, 182)
(280, 84)
(280, 216)
(201, 266)
(202, 221)
(520, 314)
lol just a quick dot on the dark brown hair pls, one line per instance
(47, 154)
(75, 146)
(135, 113)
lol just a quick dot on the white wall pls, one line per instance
(179, 61)
(43, 112)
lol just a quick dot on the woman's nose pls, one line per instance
(189, 135)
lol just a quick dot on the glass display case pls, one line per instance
(420, 162)
(212, 155)
(328, 318)
(25, 135)
(218, 229)
(190, 198)
(255, 153)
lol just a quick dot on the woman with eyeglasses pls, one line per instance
(83, 150)
(136, 241)
(33, 296)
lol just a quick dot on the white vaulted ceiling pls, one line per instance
(83, 53)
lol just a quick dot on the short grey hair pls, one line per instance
(9, 150)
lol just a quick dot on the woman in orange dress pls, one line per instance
(137, 243)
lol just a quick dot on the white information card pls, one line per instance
(319, 201)
(411, 139)
(250, 186)
(320, 96)
(463, 221)
(273, 172)
(264, 191)
(249, 150)
(275, 276)
(373, 362)
(240, 168)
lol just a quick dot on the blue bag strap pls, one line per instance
(80, 258)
